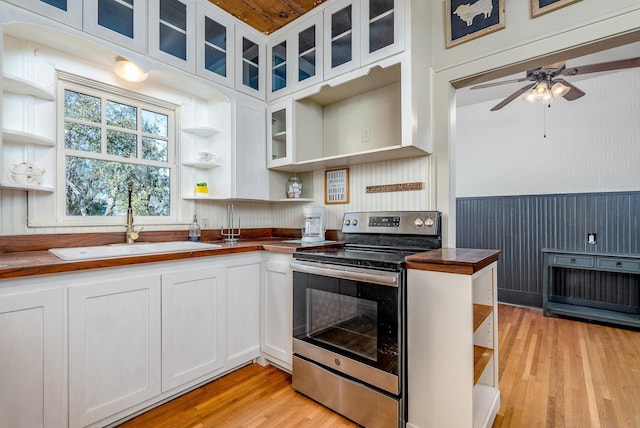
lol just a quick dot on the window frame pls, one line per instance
(67, 81)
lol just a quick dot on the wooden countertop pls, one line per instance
(464, 261)
(42, 262)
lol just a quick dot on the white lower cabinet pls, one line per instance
(276, 322)
(243, 309)
(193, 324)
(31, 360)
(114, 345)
(136, 336)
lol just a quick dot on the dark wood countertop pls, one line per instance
(18, 264)
(465, 261)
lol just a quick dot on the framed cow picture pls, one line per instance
(540, 7)
(468, 19)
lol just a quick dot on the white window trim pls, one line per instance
(92, 87)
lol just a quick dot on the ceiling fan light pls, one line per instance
(129, 71)
(559, 89)
(530, 96)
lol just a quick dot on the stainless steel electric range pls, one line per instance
(349, 315)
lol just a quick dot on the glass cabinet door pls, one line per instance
(173, 28)
(342, 38)
(214, 41)
(250, 64)
(279, 66)
(382, 29)
(171, 32)
(66, 11)
(250, 72)
(119, 21)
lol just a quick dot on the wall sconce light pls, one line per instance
(129, 71)
(545, 91)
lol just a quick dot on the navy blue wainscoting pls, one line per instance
(521, 226)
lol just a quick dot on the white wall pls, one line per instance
(592, 144)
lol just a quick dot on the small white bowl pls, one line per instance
(206, 156)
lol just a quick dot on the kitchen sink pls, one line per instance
(121, 250)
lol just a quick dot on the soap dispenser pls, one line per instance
(194, 230)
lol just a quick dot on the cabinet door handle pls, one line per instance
(573, 261)
(618, 264)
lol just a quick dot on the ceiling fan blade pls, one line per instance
(573, 94)
(503, 82)
(513, 96)
(602, 66)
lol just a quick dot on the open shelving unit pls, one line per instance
(21, 143)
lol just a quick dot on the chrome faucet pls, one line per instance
(132, 234)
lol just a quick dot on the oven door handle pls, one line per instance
(390, 280)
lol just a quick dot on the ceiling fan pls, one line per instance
(547, 83)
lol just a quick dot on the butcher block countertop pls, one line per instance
(27, 256)
(466, 261)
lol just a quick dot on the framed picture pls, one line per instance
(466, 20)
(336, 186)
(540, 7)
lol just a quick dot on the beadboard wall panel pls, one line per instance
(591, 144)
(522, 225)
(256, 214)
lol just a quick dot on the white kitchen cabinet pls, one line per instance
(295, 57)
(452, 327)
(294, 131)
(119, 21)
(243, 309)
(280, 63)
(250, 61)
(308, 60)
(114, 344)
(193, 324)
(66, 11)
(277, 306)
(215, 41)
(341, 37)
(250, 175)
(31, 359)
(382, 29)
(172, 32)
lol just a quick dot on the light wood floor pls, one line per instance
(554, 372)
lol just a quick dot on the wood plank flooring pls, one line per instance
(554, 372)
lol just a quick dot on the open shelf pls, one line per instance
(201, 165)
(21, 137)
(480, 313)
(18, 85)
(201, 131)
(481, 358)
(24, 186)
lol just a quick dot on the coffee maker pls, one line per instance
(313, 229)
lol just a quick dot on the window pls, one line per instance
(112, 136)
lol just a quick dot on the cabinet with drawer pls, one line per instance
(593, 286)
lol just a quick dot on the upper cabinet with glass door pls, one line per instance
(250, 70)
(214, 44)
(382, 29)
(280, 62)
(172, 32)
(341, 37)
(66, 11)
(120, 21)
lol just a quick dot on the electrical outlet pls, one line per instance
(366, 134)
(591, 238)
(205, 223)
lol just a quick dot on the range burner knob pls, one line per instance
(418, 222)
(347, 222)
(429, 222)
(354, 222)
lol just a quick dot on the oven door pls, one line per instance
(349, 320)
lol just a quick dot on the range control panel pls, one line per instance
(394, 222)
